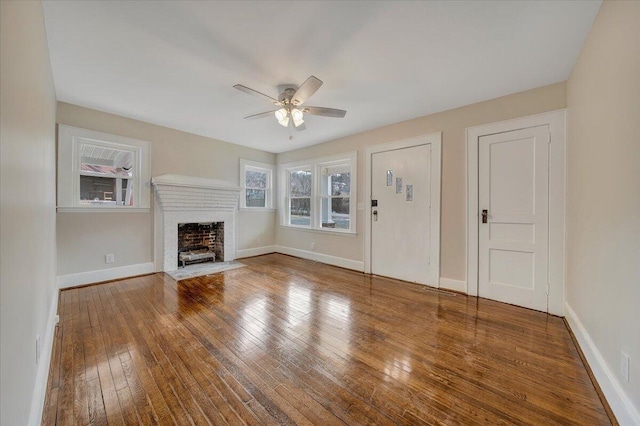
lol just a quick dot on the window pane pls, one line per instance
(256, 198)
(254, 179)
(104, 191)
(300, 183)
(300, 213)
(97, 169)
(97, 190)
(336, 184)
(341, 184)
(335, 213)
(106, 161)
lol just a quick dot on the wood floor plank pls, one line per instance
(107, 385)
(64, 413)
(127, 408)
(289, 341)
(80, 402)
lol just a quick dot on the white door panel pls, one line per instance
(400, 227)
(513, 244)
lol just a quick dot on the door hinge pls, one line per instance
(548, 285)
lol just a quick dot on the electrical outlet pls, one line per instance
(37, 348)
(109, 258)
(313, 246)
(624, 366)
(360, 206)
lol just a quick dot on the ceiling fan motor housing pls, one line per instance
(285, 97)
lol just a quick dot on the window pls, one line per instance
(319, 194)
(257, 185)
(98, 171)
(300, 182)
(106, 176)
(335, 189)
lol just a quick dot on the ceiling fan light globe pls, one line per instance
(281, 114)
(296, 114)
(284, 122)
(297, 122)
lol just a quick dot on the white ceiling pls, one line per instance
(174, 63)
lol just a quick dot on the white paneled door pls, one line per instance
(401, 220)
(513, 197)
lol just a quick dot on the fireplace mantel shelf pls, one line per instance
(194, 182)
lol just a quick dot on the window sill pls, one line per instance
(103, 209)
(321, 231)
(257, 209)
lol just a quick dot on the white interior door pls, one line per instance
(401, 221)
(513, 234)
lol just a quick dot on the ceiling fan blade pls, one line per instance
(260, 115)
(249, 91)
(308, 88)
(325, 112)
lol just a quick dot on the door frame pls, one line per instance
(556, 123)
(435, 140)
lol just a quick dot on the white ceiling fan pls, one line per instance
(290, 102)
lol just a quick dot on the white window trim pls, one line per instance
(270, 194)
(68, 196)
(314, 165)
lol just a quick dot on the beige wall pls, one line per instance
(27, 207)
(452, 124)
(603, 209)
(84, 238)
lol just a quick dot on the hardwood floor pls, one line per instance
(289, 341)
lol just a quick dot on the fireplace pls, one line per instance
(184, 200)
(200, 243)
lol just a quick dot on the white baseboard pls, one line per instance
(256, 251)
(44, 363)
(323, 258)
(620, 403)
(456, 285)
(82, 278)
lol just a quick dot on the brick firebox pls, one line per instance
(197, 235)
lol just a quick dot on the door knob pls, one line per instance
(484, 216)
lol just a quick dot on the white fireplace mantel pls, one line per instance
(189, 199)
(194, 182)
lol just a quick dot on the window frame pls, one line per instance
(257, 166)
(287, 206)
(329, 196)
(70, 140)
(315, 166)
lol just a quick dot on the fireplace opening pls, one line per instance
(200, 243)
